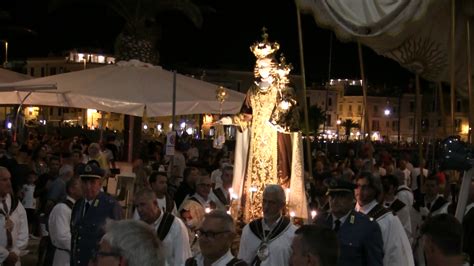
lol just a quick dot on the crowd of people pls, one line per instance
(367, 208)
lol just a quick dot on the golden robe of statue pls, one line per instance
(262, 167)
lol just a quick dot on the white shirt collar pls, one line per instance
(204, 202)
(342, 219)
(90, 201)
(71, 199)
(366, 208)
(403, 186)
(222, 261)
(265, 226)
(434, 200)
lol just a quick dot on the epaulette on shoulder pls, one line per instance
(377, 212)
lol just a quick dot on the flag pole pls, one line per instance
(366, 126)
(303, 81)
(469, 82)
(452, 64)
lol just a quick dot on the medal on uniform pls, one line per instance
(9, 224)
(263, 251)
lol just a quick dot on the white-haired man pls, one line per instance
(267, 241)
(13, 223)
(169, 229)
(129, 243)
(216, 235)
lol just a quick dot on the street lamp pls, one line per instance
(387, 114)
(338, 123)
(5, 63)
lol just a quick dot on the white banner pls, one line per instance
(170, 143)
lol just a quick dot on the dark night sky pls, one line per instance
(223, 40)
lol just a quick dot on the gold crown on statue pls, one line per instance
(264, 48)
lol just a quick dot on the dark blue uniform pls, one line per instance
(87, 230)
(360, 239)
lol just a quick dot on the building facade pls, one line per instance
(390, 118)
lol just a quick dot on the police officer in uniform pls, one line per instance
(89, 215)
(360, 239)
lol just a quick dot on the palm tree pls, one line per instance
(142, 29)
(348, 125)
(316, 118)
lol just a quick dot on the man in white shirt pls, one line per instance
(267, 241)
(13, 223)
(221, 195)
(158, 182)
(432, 203)
(403, 192)
(418, 175)
(59, 223)
(405, 195)
(193, 208)
(397, 249)
(179, 162)
(402, 166)
(216, 235)
(201, 198)
(397, 206)
(216, 175)
(169, 229)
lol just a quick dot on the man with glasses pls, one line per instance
(199, 200)
(128, 243)
(266, 241)
(397, 249)
(89, 215)
(360, 240)
(169, 229)
(216, 235)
